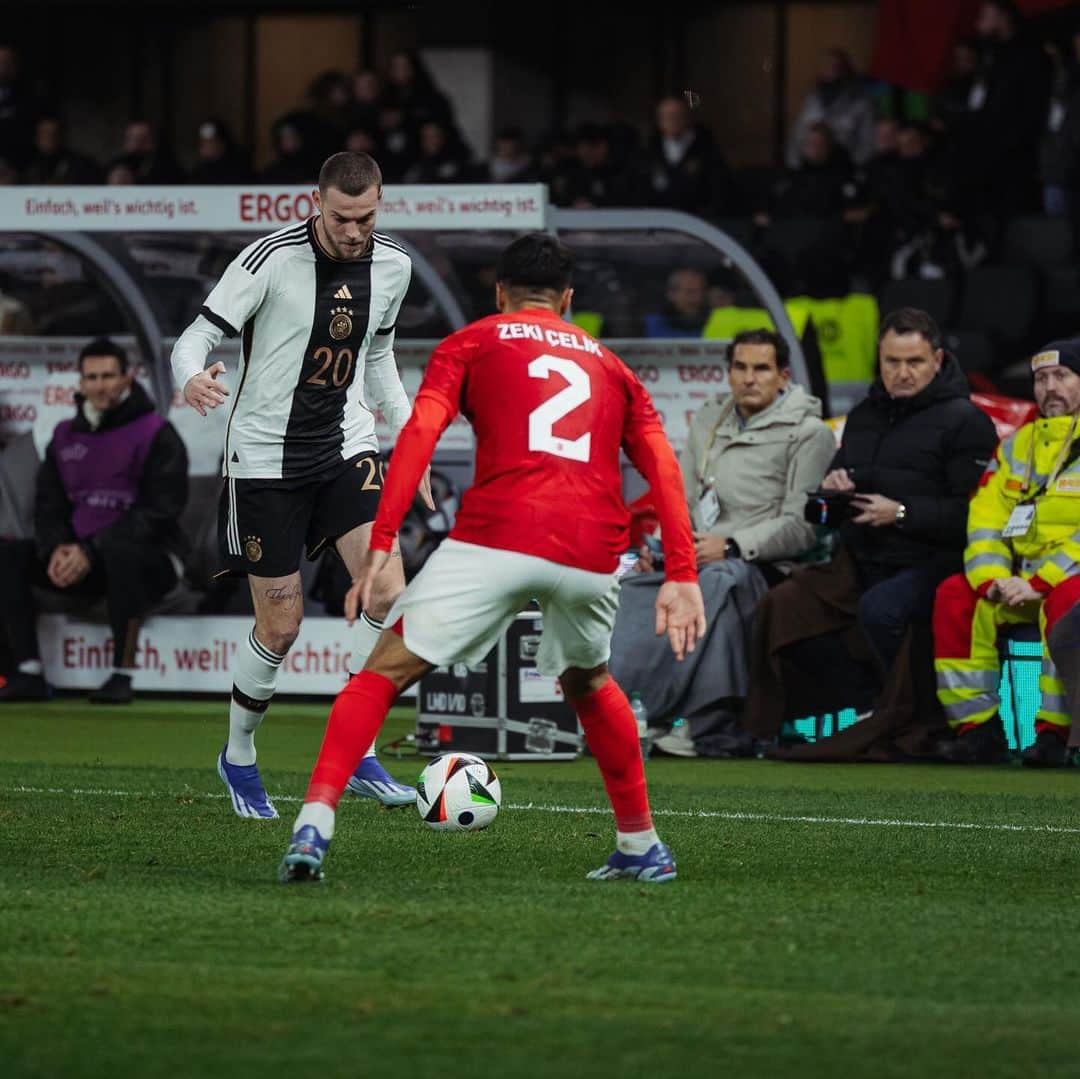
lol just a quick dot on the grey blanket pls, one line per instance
(717, 669)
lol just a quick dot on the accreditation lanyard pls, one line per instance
(1023, 514)
(1064, 458)
(703, 463)
(708, 500)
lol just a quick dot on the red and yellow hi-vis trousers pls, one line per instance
(966, 652)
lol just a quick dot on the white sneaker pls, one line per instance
(677, 742)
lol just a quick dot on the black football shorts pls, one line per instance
(263, 525)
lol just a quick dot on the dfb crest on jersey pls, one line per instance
(253, 548)
(340, 323)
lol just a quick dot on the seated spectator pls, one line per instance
(54, 162)
(1000, 149)
(511, 162)
(106, 521)
(361, 140)
(946, 247)
(911, 454)
(17, 109)
(723, 288)
(902, 186)
(951, 108)
(330, 112)
(220, 160)
(1059, 154)
(367, 100)
(555, 150)
(750, 457)
(441, 159)
(843, 103)
(590, 177)
(410, 87)
(1021, 565)
(151, 162)
(397, 144)
(822, 184)
(120, 172)
(297, 161)
(682, 169)
(925, 229)
(871, 228)
(686, 306)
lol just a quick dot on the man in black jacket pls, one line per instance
(911, 455)
(106, 521)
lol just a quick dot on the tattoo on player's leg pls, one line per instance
(286, 597)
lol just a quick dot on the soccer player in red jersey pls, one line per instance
(551, 407)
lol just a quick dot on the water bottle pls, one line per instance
(641, 718)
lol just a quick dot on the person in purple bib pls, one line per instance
(106, 522)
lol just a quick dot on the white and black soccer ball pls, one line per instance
(458, 792)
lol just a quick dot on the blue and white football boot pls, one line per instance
(304, 856)
(372, 780)
(249, 797)
(655, 866)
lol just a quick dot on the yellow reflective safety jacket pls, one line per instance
(1049, 552)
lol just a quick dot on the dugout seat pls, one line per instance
(1002, 302)
(1048, 246)
(1038, 241)
(972, 348)
(936, 298)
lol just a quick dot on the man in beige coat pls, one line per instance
(751, 457)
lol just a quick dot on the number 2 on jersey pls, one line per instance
(543, 418)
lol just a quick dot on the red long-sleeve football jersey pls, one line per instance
(551, 407)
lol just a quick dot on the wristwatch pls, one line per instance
(732, 549)
(901, 513)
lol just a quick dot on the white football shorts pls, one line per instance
(465, 595)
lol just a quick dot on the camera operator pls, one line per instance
(911, 454)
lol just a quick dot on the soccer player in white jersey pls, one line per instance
(315, 306)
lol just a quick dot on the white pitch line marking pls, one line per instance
(690, 814)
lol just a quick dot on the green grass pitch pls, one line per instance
(827, 921)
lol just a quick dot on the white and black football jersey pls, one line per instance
(313, 329)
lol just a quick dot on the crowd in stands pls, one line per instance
(1001, 136)
(955, 191)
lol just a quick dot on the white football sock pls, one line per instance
(254, 682)
(365, 635)
(636, 842)
(320, 815)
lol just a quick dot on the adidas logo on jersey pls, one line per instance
(343, 293)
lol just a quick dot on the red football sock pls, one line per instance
(355, 719)
(611, 731)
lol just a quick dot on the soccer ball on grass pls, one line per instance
(458, 792)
